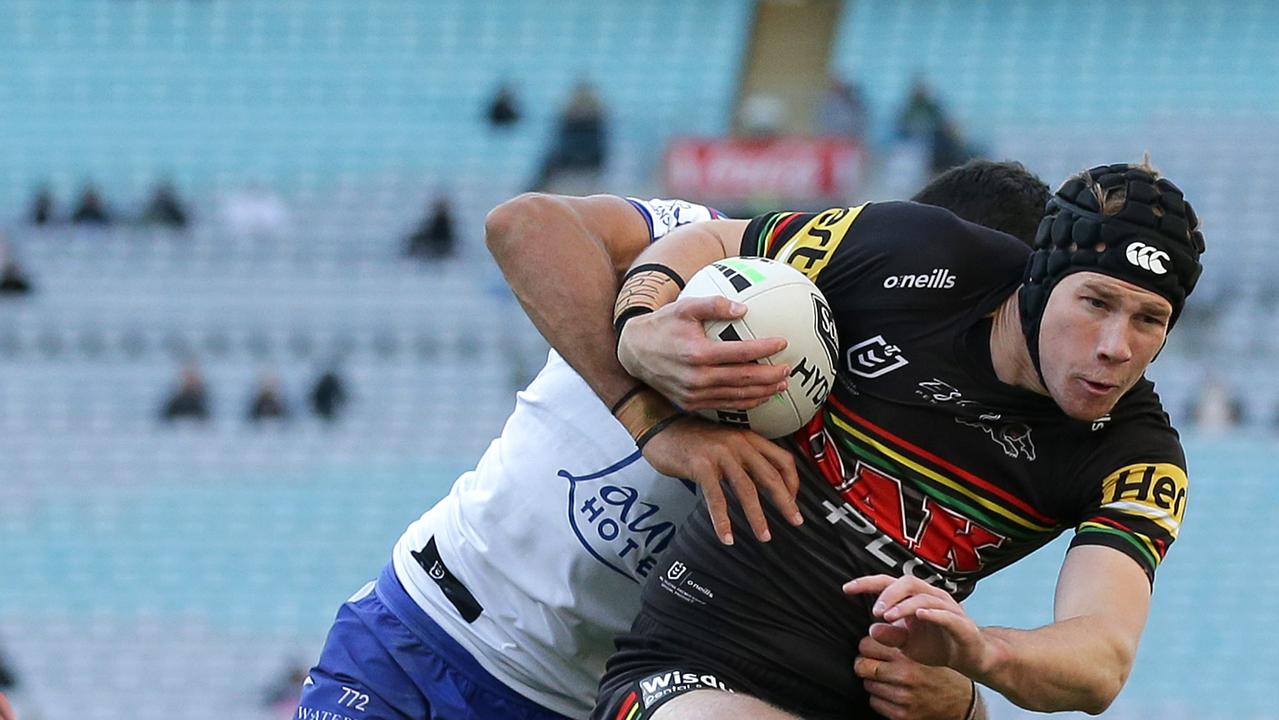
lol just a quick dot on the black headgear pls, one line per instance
(1153, 242)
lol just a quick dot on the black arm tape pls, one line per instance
(655, 267)
(652, 432)
(627, 315)
(639, 388)
(972, 704)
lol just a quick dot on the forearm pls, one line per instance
(684, 252)
(659, 273)
(1073, 664)
(562, 270)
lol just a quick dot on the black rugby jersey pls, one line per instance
(921, 462)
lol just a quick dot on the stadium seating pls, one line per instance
(1065, 87)
(148, 571)
(358, 103)
(151, 569)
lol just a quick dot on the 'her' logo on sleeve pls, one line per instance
(1156, 491)
(810, 249)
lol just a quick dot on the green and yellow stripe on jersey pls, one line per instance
(956, 488)
(1150, 499)
(811, 244)
(1141, 505)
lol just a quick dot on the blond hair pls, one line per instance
(1112, 200)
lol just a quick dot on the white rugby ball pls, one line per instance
(780, 302)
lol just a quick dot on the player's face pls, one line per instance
(1097, 336)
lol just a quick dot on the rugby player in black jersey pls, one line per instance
(1120, 253)
(1000, 195)
(989, 398)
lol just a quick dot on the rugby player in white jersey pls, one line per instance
(503, 599)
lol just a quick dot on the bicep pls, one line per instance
(624, 233)
(729, 234)
(538, 228)
(1104, 585)
(690, 248)
(616, 223)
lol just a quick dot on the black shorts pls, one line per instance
(625, 699)
(653, 666)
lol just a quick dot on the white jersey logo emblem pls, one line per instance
(676, 571)
(1147, 257)
(618, 526)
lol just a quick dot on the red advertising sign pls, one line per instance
(743, 168)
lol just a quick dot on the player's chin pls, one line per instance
(1087, 404)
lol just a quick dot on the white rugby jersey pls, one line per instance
(550, 535)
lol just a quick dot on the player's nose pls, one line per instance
(1114, 341)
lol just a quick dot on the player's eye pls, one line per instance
(1095, 302)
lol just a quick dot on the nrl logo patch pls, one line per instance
(826, 328)
(874, 357)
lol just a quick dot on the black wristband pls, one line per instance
(628, 315)
(972, 704)
(639, 388)
(652, 432)
(654, 267)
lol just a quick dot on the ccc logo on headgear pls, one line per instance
(1145, 256)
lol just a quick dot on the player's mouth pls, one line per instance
(1097, 388)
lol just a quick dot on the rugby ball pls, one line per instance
(780, 302)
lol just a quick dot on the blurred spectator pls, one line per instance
(923, 121)
(42, 206)
(762, 115)
(13, 281)
(283, 694)
(922, 116)
(190, 400)
(255, 212)
(1217, 408)
(165, 208)
(8, 683)
(579, 142)
(503, 110)
(841, 112)
(267, 403)
(8, 680)
(950, 149)
(91, 209)
(434, 238)
(328, 395)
